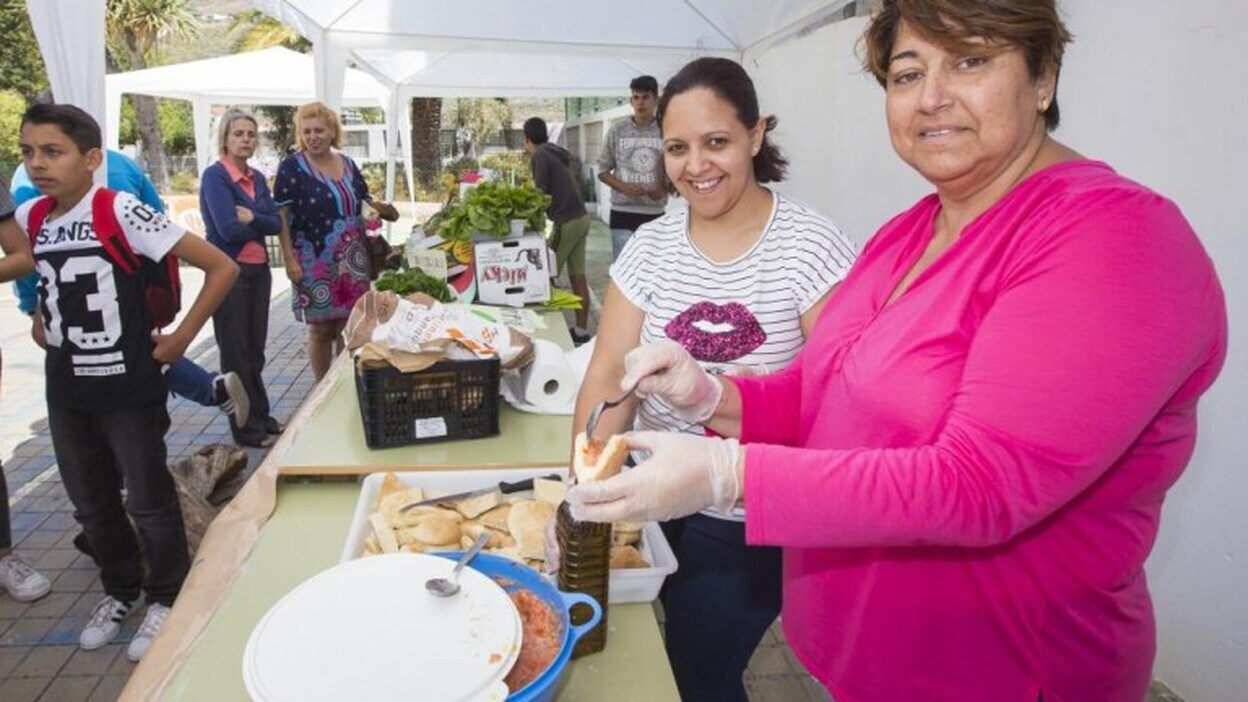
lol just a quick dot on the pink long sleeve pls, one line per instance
(999, 439)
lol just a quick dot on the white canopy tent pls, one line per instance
(73, 53)
(554, 48)
(274, 76)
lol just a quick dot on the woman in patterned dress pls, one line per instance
(321, 193)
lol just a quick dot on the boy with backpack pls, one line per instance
(105, 285)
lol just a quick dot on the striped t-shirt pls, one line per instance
(740, 313)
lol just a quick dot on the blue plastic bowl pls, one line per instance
(515, 576)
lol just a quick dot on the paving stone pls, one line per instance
(22, 689)
(776, 689)
(11, 608)
(109, 688)
(55, 604)
(70, 688)
(10, 658)
(95, 662)
(770, 661)
(55, 559)
(75, 581)
(44, 661)
(66, 630)
(26, 631)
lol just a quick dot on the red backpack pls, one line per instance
(161, 282)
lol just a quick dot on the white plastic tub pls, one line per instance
(628, 585)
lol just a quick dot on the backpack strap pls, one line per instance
(38, 215)
(108, 230)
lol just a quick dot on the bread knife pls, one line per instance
(504, 487)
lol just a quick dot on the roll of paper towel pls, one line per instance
(547, 386)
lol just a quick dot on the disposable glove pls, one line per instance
(550, 543)
(666, 369)
(685, 474)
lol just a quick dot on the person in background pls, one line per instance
(966, 465)
(105, 391)
(320, 193)
(631, 164)
(737, 279)
(17, 577)
(186, 378)
(238, 214)
(552, 175)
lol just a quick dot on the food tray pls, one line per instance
(448, 400)
(627, 585)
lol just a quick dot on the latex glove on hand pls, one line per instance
(550, 544)
(685, 474)
(666, 369)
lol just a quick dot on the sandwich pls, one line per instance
(595, 459)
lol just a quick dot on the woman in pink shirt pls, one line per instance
(966, 464)
(238, 214)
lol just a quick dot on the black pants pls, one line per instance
(94, 450)
(717, 605)
(6, 529)
(241, 325)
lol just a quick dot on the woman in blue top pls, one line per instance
(321, 194)
(238, 214)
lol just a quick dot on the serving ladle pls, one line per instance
(445, 587)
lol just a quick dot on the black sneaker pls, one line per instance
(232, 397)
(578, 338)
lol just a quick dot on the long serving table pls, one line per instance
(202, 660)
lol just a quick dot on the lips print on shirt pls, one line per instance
(716, 333)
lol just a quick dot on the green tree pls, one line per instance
(475, 119)
(21, 64)
(134, 29)
(12, 105)
(255, 31)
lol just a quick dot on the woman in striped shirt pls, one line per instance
(737, 278)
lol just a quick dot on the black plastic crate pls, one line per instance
(448, 400)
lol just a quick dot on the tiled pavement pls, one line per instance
(39, 654)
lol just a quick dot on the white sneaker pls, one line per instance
(152, 621)
(105, 622)
(24, 583)
(232, 397)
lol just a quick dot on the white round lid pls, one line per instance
(368, 629)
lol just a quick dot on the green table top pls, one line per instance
(305, 536)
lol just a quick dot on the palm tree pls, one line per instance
(426, 114)
(134, 29)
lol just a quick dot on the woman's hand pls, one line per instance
(293, 270)
(550, 544)
(244, 215)
(684, 474)
(666, 369)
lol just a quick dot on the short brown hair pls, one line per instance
(1032, 25)
(314, 110)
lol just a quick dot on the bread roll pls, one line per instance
(595, 459)
(527, 524)
(627, 557)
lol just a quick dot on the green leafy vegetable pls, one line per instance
(489, 208)
(413, 280)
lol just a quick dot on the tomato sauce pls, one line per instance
(539, 643)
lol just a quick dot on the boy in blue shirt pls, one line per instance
(105, 390)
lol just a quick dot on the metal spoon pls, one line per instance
(445, 587)
(592, 423)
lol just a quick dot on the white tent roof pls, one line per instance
(503, 48)
(274, 76)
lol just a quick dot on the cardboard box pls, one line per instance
(514, 271)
